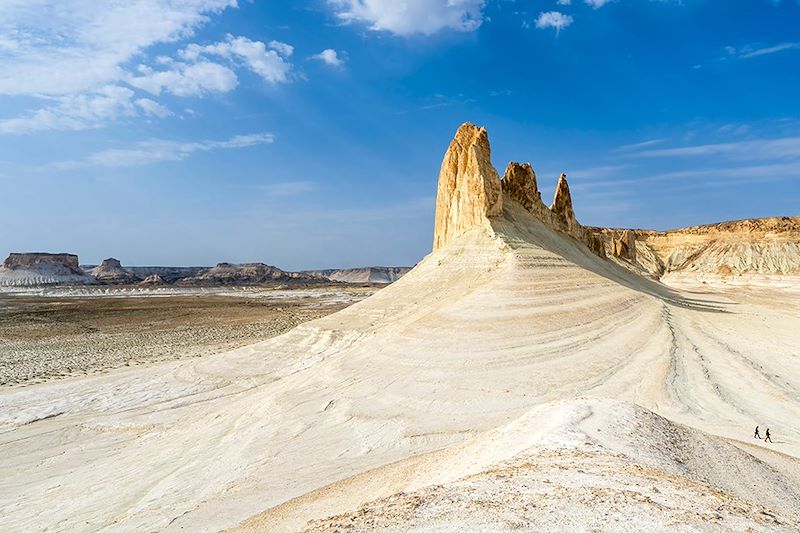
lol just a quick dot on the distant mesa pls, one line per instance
(38, 268)
(247, 274)
(375, 274)
(111, 271)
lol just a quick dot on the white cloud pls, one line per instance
(330, 57)
(412, 16)
(564, 2)
(750, 52)
(75, 46)
(778, 148)
(553, 19)
(151, 107)
(78, 112)
(597, 4)
(157, 150)
(185, 79)
(269, 62)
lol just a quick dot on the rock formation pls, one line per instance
(469, 188)
(38, 268)
(470, 193)
(714, 252)
(111, 271)
(562, 206)
(361, 275)
(167, 274)
(519, 183)
(67, 262)
(248, 274)
(153, 279)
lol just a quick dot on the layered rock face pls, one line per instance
(745, 248)
(469, 188)
(153, 279)
(247, 274)
(111, 271)
(470, 193)
(361, 275)
(66, 262)
(36, 268)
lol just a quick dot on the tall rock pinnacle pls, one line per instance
(562, 205)
(469, 187)
(519, 183)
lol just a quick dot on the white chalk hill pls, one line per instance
(514, 379)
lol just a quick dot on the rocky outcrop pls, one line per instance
(470, 193)
(519, 183)
(724, 251)
(469, 189)
(38, 268)
(111, 271)
(563, 212)
(361, 275)
(622, 244)
(153, 279)
(248, 274)
(167, 274)
(68, 263)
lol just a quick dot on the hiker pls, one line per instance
(766, 436)
(756, 435)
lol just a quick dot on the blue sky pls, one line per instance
(309, 134)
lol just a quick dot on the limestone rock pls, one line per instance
(153, 279)
(375, 274)
(469, 189)
(66, 262)
(562, 205)
(519, 183)
(37, 268)
(111, 271)
(248, 274)
(624, 245)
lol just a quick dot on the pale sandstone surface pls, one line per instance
(513, 379)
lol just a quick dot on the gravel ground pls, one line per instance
(45, 337)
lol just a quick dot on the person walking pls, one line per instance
(756, 435)
(766, 436)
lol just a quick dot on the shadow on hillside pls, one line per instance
(519, 227)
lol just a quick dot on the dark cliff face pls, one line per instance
(35, 259)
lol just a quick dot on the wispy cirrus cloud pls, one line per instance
(158, 150)
(781, 148)
(751, 51)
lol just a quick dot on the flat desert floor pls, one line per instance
(57, 333)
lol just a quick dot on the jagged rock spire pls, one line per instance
(562, 205)
(469, 187)
(519, 183)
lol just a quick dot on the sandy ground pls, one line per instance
(511, 380)
(55, 333)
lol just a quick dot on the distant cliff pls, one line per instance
(38, 268)
(361, 275)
